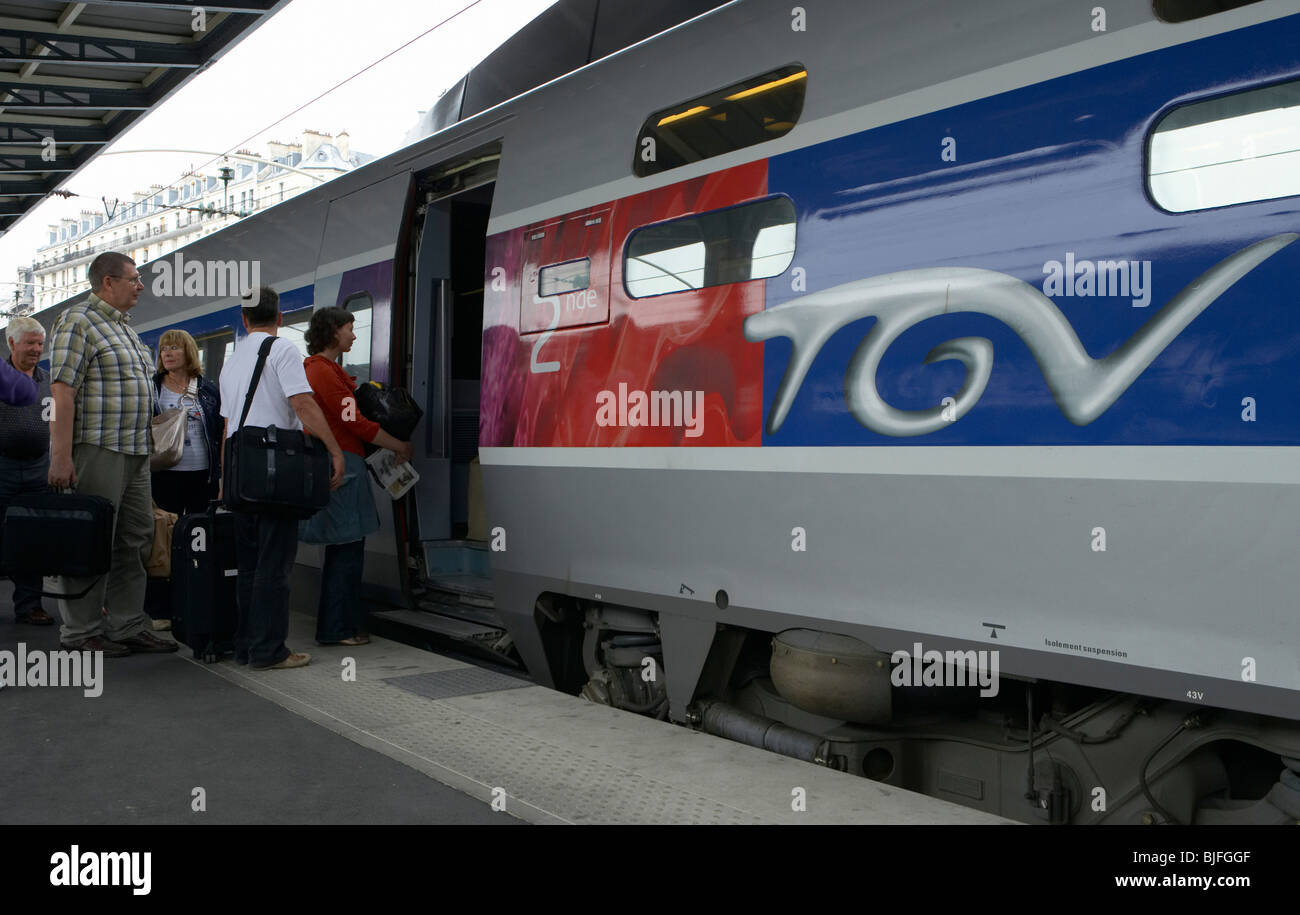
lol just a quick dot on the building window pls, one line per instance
(747, 242)
(1233, 149)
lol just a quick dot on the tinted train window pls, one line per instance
(357, 360)
(747, 242)
(761, 108)
(1183, 10)
(1227, 150)
(293, 328)
(213, 352)
(567, 277)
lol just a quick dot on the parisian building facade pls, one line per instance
(160, 220)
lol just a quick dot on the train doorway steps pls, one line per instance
(464, 588)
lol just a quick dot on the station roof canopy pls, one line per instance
(83, 72)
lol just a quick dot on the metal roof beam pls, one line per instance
(12, 164)
(87, 31)
(25, 95)
(60, 48)
(257, 7)
(12, 189)
(27, 134)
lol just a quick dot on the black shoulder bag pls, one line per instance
(281, 472)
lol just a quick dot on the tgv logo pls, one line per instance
(1083, 387)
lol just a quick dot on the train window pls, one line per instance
(1227, 150)
(1183, 10)
(213, 351)
(293, 327)
(761, 108)
(570, 276)
(752, 241)
(357, 361)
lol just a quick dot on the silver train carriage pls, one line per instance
(905, 389)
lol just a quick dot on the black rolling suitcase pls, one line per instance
(58, 534)
(205, 611)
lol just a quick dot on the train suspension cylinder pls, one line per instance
(723, 720)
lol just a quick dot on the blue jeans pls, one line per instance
(17, 477)
(265, 547)
(338, 615)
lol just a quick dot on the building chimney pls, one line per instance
(311, 141)
(344, 144)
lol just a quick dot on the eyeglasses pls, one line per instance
(134, 280)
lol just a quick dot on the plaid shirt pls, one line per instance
(96, 352)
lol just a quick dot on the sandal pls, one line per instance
(356, 640)
(38, 617)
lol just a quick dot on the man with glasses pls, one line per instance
(101, 379)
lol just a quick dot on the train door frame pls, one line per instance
(424, 332)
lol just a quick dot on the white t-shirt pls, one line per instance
(282, 378)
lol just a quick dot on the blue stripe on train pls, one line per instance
(227, 318)
(1041, 171)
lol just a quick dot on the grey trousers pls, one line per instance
(123, 479)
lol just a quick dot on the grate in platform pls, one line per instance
(447, 684)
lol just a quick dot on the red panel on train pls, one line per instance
(608, 369)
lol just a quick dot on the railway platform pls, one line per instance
(417, 737)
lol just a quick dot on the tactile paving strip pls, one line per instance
(447, 684)
(476, 756)
(556, 759)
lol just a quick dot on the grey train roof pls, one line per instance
(569, 143)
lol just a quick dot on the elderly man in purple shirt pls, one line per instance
(16, 389)
(24, 444)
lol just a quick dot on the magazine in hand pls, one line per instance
(397, 479)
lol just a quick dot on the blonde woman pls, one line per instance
(188, 487)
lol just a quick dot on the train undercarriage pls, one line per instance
(1037, 751)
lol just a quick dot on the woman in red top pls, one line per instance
(343, 524)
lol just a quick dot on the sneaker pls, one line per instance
(110, 648)
(295, 659)
(145, 642)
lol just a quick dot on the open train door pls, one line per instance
(362, 254)
(437, 346)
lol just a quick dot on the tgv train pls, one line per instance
(906, 388)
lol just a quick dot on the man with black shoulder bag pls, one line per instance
(272, 475)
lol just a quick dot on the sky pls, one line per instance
(296, 55)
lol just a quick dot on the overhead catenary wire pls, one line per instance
(322, 95)
(189, 172)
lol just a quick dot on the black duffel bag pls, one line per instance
(393, 408)
(283, 472)
(52, 533)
